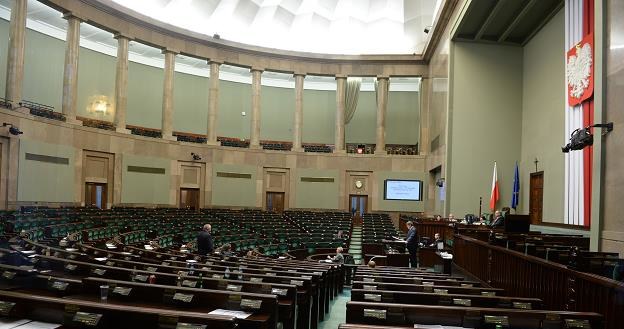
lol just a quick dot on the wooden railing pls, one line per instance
(526, 276)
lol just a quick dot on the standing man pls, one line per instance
(205, 245)
(412, 243)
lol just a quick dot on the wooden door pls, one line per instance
(359, 204)
(275, 201)
(189, 198)
(536, 193)
(95, 195)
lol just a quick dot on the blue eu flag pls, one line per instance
(516, 189)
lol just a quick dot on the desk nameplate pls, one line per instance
(252, 304)
(377, 314)
(87, 319)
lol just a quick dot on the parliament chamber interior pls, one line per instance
(311, 164)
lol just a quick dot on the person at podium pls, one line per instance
(411, 242)
(339, 258)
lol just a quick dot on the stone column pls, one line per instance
(298, 124)
(15, 56)
(426, 90)
(121, 84)
(70, 74)
(382, 104)
(213, 102)
(339, 136)
(167, 101)
(256, 76)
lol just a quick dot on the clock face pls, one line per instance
(359, 184)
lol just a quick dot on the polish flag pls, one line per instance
(494, 197)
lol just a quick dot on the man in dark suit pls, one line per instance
(499, 220)
(411, 243)
(205, 245)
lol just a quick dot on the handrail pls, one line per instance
(560, 287)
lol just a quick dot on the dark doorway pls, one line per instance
(536, 197)
(275, 201)
(189, 198)
(95, 195)
(359, 204)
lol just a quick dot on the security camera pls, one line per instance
(583, 137)
(196, 157)
(13, 130)
(427, 29)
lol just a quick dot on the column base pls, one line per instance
(213, 143)
(381, 152)
(255, 147)
(72, 120)
(297, 149)
(340, 151)
(169, 137)
(22, 110)
(123, 130)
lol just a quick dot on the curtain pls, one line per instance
(352, 94)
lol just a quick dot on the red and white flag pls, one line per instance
(494, 196)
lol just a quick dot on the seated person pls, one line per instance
(226, 250)
(451, 218)
(498, 221)
(438, 218)
(372, 264)
(339, 258)
(436, 239)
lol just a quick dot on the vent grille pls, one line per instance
(47, 158)
(146, 170)
(317, 179)
(233, 175)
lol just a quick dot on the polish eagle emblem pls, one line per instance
(579, 71)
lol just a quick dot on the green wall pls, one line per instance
(139, 187)
(145, 91)
(43, 69)
(234, 98)
(277, 113)
(96, 77)
(393, 205)
(319, 116)
(45, 181)
(4, 46)
(190, 103)
(317, 195)
(485, 123)
(234, 192)
(403, 117)
(362, 127)
(543, 117)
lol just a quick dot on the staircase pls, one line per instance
(355, 244)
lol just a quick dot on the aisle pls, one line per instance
(337, 312)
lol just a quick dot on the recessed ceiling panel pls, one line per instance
(350, 27)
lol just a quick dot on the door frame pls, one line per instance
(108, 180)
(536, 174)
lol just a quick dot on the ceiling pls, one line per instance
(345, 27)
(49, 21)
(512, 22)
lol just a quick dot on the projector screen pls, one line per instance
(410, 190)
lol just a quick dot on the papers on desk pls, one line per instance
(236, 314)
(446, 255)
(148, 247)
(101, 259)
(25, 324)
(435, 326)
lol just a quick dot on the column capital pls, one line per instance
(256, 68)
(166, 51)
(69, 15)
(299, 74)
(215, 61)
(340, 76)
(385, 77)
(119, 35)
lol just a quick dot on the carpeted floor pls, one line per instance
(337, 312)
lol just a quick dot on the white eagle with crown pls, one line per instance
(578, 70)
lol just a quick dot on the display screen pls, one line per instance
(410, 190)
